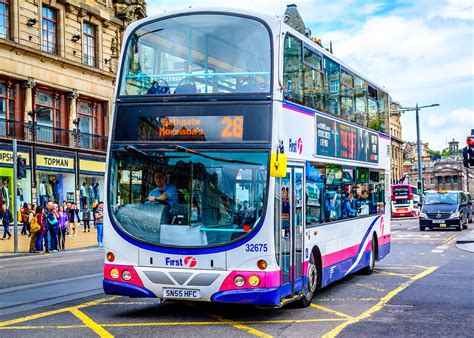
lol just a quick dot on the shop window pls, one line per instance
(7, 107)
(47, 117)
(313, 88)
(292, 70)
(4, 19)
(332, 93)
(88, 45)
(49, 30)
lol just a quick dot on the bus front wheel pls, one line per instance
(313, 275)
(373, 252)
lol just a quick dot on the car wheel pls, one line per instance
(313, 275)
(370, 268)
(422, 228)
(460, 226)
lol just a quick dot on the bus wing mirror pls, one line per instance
(278, 163)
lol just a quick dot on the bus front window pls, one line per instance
(197, 54)
(188, 199)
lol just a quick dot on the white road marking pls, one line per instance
(437, 251)
(412, 228)
(444, 247)
(67, 260)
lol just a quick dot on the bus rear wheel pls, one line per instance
(313, 275)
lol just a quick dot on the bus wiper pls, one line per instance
(195, 152)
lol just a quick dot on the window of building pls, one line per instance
(332, 80)
(49, 30)
(313, 87)
(47, 117)
(87, 123)
(455, 179)
(7, 107)
(4, 19)
(88, 45)
(292, 70)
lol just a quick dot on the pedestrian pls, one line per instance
(53, 226)
(62, 220)
(73, 219)
(30, 216)
(86, 217)
(66, 206)
(5, 195)
(42, 231)
(34, 229)
(99, 216)
(7, 218)
(24, 217)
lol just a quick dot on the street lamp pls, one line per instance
(417, 108)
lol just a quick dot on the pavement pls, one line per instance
(82, 240)
(466, 242)
(423, 287)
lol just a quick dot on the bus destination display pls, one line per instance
(340, 140)
(192, 128)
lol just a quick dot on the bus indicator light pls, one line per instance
(110, 256)
(262, 264)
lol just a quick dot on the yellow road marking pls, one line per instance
(129, 303)
(269, 321)
(53, 312)
(447, 240)
(241, 326)
(388, 273)
(346, 299)
(101, 332)
(325, 309)
(334, 332)
(369, 286)
(455, 237)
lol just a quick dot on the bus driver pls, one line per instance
(163, 192)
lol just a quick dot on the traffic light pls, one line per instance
(465, 157)
(20, 167)
(420, 187)
(470, 150)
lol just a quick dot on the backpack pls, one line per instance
(34, 225)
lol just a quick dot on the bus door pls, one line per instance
(291, 213)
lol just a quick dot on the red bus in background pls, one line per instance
(405, 201)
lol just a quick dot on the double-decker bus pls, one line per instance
(405, 200)
(246, 164)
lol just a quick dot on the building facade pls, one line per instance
(396, 148)
(58, 64)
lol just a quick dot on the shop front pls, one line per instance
(6, 175)
(55, 177)
(92, 173)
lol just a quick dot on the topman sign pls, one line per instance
(54, 161)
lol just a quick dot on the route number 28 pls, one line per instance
(233, 127)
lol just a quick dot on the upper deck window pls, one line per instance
(197, 54)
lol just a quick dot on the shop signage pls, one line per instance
(340, 140)
(54, 161)
(92, 166)
(6, 157)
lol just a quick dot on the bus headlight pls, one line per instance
(126, 275)
(254, 280)
(239, 281)
(455, 215)
(114, 273)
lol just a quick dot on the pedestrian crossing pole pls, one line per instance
(15, 206)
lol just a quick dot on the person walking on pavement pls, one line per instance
(86, 217)
(62, 221)
(34, 229)
(99, 216)
(53, 226)
(42, 231)
(73, 219)
(7, 218)
(24, 217)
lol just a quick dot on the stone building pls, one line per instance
(396, 148)
(58, 64)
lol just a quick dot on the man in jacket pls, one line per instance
(52, 224)
(7, 218)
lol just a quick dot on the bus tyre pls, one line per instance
(313, 274)
(370, 268)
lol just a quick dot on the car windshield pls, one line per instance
(441, 198)
(178, 198)
(197, 54)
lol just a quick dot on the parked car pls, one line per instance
(443, 209)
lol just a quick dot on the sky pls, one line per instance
(421, 51)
